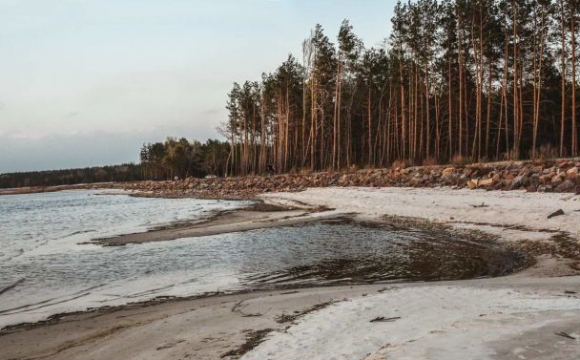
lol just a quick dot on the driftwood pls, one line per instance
(237, 308)
(567, 336)
(10, 287)
(384, 319)
(480, 206)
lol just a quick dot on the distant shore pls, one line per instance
(49, 189)
(487, 315)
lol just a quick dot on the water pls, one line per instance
(40, 236)
(40, 242)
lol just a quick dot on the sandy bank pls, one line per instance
(252, 218)
(512, 216)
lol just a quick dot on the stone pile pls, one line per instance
(538, 176)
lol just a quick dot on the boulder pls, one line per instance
(519, 182)
(566, 186)
(449, 178)
(485, 183)
(545, 179)
(557, 181)
(545, 189)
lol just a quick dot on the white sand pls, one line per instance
(453, 207)
(437, 322)
(465, 321)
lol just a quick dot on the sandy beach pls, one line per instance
(533, 314)
(289, 180)
(258, 216)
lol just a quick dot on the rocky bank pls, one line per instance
(533, 176)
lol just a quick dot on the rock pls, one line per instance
(449, 178)
(556, 181)
(566, 186)
(572, 171)
(563, 164)
(557, 213)
(525, 172)
(485, 183)
(545, 179)
(472, 184)
(519, 182)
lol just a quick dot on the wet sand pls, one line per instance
(258, 216)
(210, 328)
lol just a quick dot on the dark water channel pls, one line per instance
(363, 253)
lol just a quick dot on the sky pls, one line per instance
(87, 82)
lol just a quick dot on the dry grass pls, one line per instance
(286, 318)
(460, 160)
(545, 152)
(253, 339)
(511, 155)
(402, 164)
(430, 161)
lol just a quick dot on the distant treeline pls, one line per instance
(118, 173)
(181, 158)
(173, 158)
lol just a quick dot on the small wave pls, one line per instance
(49, 302)
(80, 232)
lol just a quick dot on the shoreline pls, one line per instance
(258, 216)
(546, 176)
(514, 218)
(220, 329)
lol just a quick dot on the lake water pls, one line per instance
(41, 238)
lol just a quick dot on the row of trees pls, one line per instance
(181, 158)
(471, 79)
(158, 161)
(118, 173)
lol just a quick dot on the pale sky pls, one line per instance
(86, 82)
